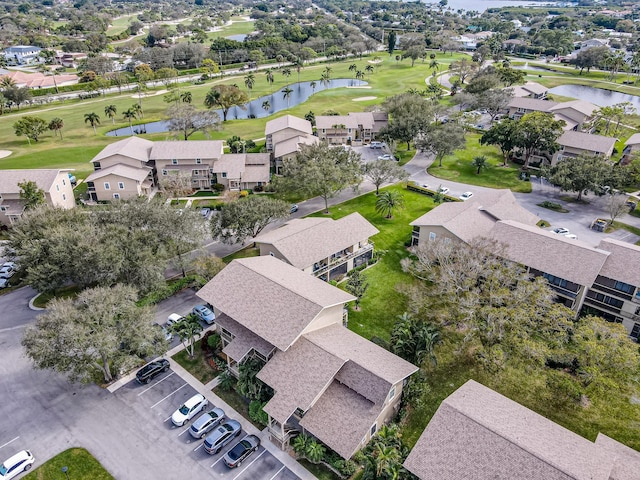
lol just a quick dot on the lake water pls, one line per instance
(300, 93)
(238, 38)
(597, 96)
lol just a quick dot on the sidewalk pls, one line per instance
(247, 426)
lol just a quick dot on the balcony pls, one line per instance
(323, 269)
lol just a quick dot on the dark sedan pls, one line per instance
(241, 451)
(152, 370)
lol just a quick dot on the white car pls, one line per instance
(7, 271)
(466, 196)
(386, 156)
(443, 190)
(572, 236)
(560, 230)
(189, 409)
(14, 466)
(173, 319)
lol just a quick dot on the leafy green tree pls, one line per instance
(442, 140)
(225, 97)
(493, 100)
(410, 115)
(248, 383)
(186, 120)
(414, 340)
(30, 127)
(479, 162)
(247, 217)
(226, 381)
(503, 136)
(32, 194)
(56, 124)
(207, 266)
(315, 451)
(538, 132)
(357, 286)
(510, 76)
(17, 96)
(388, 201)
(95, 336)
(300, 444)
(238, 145)
(110, 111)
(583, 174)
(321, 170)
(92, 119)
(391, 42)
(188, 331)
(591, 57)
(384, 171)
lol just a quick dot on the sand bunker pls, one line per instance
(159, 92)
(363, 99)
(359, 86)
(5, 153)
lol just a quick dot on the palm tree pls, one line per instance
(287, 94)
(269, 74)
(129, 115)
(314, 451)
(137, 109)
(359, 76)
(385, 458)
(286, 72)
(388, 201)
(369, 69)
(56, 124)
(266, 105)
(188, 330)
(211, 99)
(353, 67)
(92, 119)
(6, 83)
(324, 78)
(249, 81)
(186, 97)
(434, 65)
(313, 86)
(110, 111)
(327, 72)
(479, 163)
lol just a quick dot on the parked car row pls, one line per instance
(7, 270)
(564, 232)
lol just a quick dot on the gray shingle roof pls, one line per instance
(481, 435)
(535, 88)
(340, 419)
(623, 263)
(633, 139)
(319, 239)
(133, 147)
(230, 163)
(581, 106)
(288, 121)
(587, 141)
(186, 150)
(244, 339)
(532, 104)
(292, 145)
(548, 252)
(626, 461)
(271, 298)
(120, 170)
(9, 179)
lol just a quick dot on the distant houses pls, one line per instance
(22, 55)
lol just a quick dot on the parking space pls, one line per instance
(154, 404)
(369, 154)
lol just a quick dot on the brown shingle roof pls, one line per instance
(586, 141)
(481, 435)
(302, 247)
(271, 298)
(120, 170)
(9, 179)
(347, 345)
(581, 106)
(133, 147)
(298, 377)
(535, 88)
(244, 339)
(532, 104)
(340, 419)
(292, 145)
(186, 150)
(288, 121)
(230, 163)
(623, 263)
(257, 168)
(548, 252)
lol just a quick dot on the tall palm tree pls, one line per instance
(388, 201)
(6, 83)
(92, 119)
(287, 94)
(211, 99)
(479, 162)
(56, 124)
(137, 109)
(385, 458)
(327, 72)
(110, 111)
(359, 76)
(269, 74)
(313, 85)
(129, 115)
(188, 330)
(434, 65)
(299, 64)
(325, 79)
(186, 97)
(353, 67)
(286, 72)
(249, 81)
(266, 105)
(369, 69)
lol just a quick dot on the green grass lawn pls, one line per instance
(80, 463)
(237, 402)
(64, 292)
(318, 470)
(249, 251)
(196, 366)
(458, 168)
(120, 24)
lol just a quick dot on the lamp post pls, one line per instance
(65, 470)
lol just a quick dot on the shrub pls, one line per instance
(226, 381)
(258, 188)
(165, 292)
(244, 193)
(214, 341)
(217, 187)
(300, 443)
(257, 414)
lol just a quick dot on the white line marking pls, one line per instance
(184, 431)
(216, 460)
(282, 468)
(198, 447)
(242, 471)
(10, 441)
(158, 403)
(149, 388)
(168, 418)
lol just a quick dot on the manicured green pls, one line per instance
(382, 303)
(66, 292)
(246, 252)
(196, 366)
(120, 24)
(458, 168)
(80, 463)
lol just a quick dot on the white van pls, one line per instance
(20, 462)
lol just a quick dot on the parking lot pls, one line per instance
(154, 403)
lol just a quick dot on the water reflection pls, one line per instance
(597, 96)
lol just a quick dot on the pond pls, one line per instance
(238, 37)
(597, 96)
(527, 67)
(300, 92)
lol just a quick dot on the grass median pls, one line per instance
(80, 464)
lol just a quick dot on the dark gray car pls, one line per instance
(206, 423)
(221, 436)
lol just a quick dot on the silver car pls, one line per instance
(206, 423)
(221, 436)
